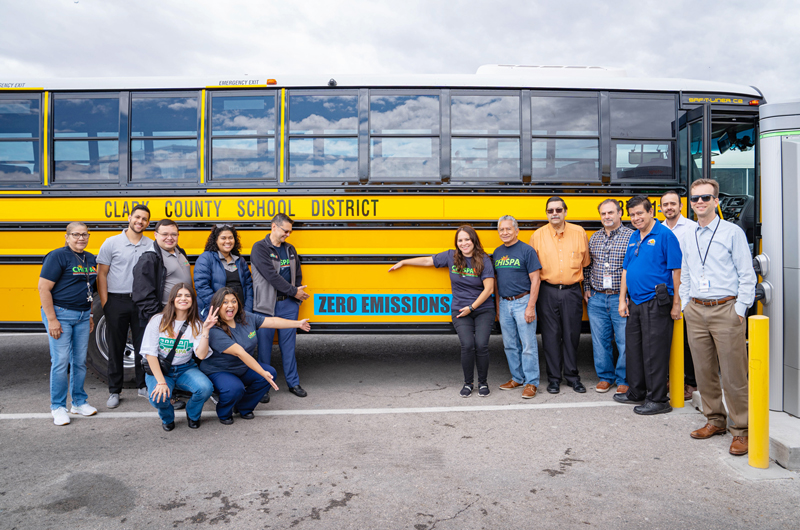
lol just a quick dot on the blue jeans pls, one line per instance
(68, 357)
(242, 392)
(186, 377)
(519, 341)
(287, 338)
(606, 324)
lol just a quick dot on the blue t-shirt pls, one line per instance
(243, 334)
(286, 269)
(466, 286)
(70, 271)
(659, 255)
(513, 265)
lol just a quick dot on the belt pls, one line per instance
(120, 295)
(282, 297)
(608, 291)
(561, 286)
(517, 297)
(713, 302)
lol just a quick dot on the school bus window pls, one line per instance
(481, 159)
(404, 114)
(164, 138)
(19, 144)
(408, 159)
(243, 158)
(317, 115)
(642, 118)
(566, 160)
(643, 160)
(85, 133)
(243, 137)
(243, 116)
(485, 114)
(564, 116)
(323, 159)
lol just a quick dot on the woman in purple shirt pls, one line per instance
(473, 314)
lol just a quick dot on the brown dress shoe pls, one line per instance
(528, 392)
(739, 446)
(511, 385)
(622, 389)
(603, 387)
(707, 431)
(688, 390)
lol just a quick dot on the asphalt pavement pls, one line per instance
(383, 440)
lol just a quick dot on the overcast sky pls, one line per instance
(752, 43)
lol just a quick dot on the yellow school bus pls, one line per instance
(372, 169)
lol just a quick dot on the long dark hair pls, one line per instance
(460, 261)
(211, 242)
(216, 302)
(169, 312)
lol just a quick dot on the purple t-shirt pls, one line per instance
(466, 286)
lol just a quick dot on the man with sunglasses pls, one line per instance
(563, 251)
(717, 287)
(115, 261)
(278, 292)
(648, 298)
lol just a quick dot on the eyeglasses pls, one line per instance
(171, 235)
(554, 210)
(76, 235)
(287, 232)
(703, 198)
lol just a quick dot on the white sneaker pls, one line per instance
(83, 410)
(60, 416)
(142, 392)
(113, 401)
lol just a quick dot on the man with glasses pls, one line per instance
(648, 297)
(115, 263)
(717, 287)
(278, 291)
(601, 292)
(671, 208)
(65, 290)
(563, 249)
(517, 267)
(158, 270)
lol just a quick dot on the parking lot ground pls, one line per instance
(382, 441)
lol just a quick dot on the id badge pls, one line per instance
(705, 285)
(607, 279)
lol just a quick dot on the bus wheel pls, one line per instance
(97, 354)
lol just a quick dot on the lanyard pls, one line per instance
(703, 258)
(85, 273)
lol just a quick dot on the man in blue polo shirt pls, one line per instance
(651, 276)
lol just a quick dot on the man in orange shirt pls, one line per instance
(563, 251)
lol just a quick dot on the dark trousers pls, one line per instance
(688, 363)
(473, 333)
(287, 338)
(648, 337)
(243, 392)
(560, 312)
(121, 313)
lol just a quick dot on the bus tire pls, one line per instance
(97, 354)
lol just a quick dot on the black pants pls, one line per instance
(688, 364)
(121, 313)
(648, 337)
(560, 312)
(473, 332)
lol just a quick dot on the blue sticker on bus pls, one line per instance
(382, 304)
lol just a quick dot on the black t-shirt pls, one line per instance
(70, 271)
(233, 281)
(286, 269)
(466, 286)
(243, 334)
(513, 266)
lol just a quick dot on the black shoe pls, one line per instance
(168, 426)
(193, 424)
(265, 399)
(179, 404)
(623, 398)
(578, 387)
(483, 390)
(554, 387)
(651, 407)
(466, 391)
(228, 421)
(247, 415)
(298, 391)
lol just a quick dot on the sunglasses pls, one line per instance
(554, 210)
(223, 225)
(703, 198)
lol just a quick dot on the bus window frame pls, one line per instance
(52, 140)
(673, 141)
(34, 180)
(163, 183)
(211, 182)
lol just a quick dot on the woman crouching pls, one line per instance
(239, 379)
(159, 340)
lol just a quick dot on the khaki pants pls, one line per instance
(717, 340)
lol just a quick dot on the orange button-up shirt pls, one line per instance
(563, 256)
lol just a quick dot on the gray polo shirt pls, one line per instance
(178, 271)
(121, 255)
